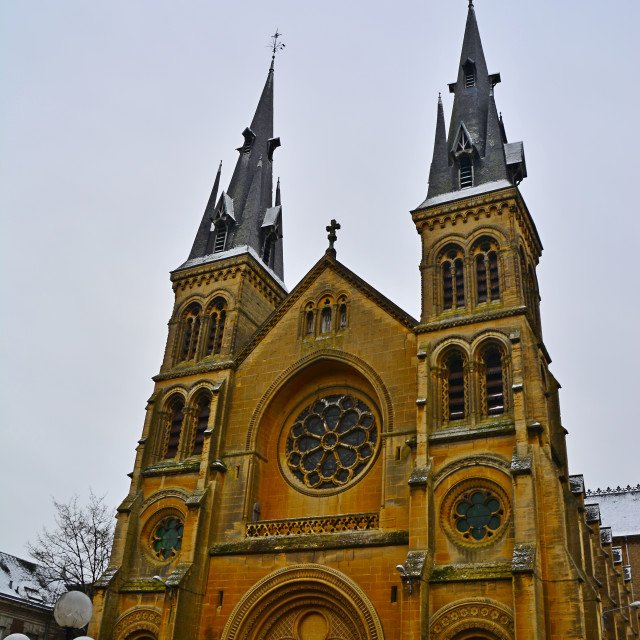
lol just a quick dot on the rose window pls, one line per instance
(478, 515)
(331, 442)
(166, 540)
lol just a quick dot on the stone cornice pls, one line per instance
(482, 206)
(196, 369)
(475, 318)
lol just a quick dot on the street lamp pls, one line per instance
(633, 605)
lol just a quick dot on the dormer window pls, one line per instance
(466, 171)
(249, 137)
(469, 70)
(220, 239)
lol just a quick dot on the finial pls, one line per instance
(275, 46)
(470, 4)
(332, 228)
(439, 98)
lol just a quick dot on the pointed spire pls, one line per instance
(243, 208)
(482, 157)
(278, 203)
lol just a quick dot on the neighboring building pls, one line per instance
(620, 512)
(24, 606)
(319, 465)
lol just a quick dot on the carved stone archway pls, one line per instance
(137, 623)
(304, 602)
(473, 619)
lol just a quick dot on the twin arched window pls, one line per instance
(479, 389)
(195, 341)
(185, 424)
(486, 276)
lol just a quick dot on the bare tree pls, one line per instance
(76, 552)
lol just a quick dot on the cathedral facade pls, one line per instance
(319, 465)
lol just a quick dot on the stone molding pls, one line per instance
(309, 526)
(137, 619)
(473, 614)
(303, 581)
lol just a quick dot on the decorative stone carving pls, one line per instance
(308, 526)
(481, 614)
(135, 620)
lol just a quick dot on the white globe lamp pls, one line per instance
(73, 609)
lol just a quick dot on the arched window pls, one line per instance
(487, 274)
(220, 238)
(217, 319)
(174, 427)
(191, 331)
(309, 322)
(492, 382)
(453, 287)
(342, 324)
(469, 70)
(202, 420)
(454, 396)
(325, 319)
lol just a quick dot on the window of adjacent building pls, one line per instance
(455, 397)
(217, 319)
(191, 332)
(202, 420)
(176, 418)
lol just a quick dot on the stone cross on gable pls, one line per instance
(332, 228)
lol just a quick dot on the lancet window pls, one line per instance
(203, 409)
(453, 289)
(454, 388)
(191, 331)
(217, 319)
(492, 382)
(175, 418)
(487, 273)
(325, 317)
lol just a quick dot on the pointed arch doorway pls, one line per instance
(304, 602)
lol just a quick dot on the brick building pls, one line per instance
(24, 601)
(317, 464)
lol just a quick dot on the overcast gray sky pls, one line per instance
(115, 115)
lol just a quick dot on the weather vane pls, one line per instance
(276, 46)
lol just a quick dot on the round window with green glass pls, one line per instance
(478, 515)
(166, 540)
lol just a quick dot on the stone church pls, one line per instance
(319, 465)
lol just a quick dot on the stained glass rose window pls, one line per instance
(166, 539)
(331, 441)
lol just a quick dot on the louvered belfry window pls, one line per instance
(220, 239)
(494, 384)
(466, 171)
(202, 422)
(493, 275)
(176, 417)
(218, 316)
(191, 332)
(459, 272)
(455, 387)
(481, 278)
(447, 285)
(469, 74)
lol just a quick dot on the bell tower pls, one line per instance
(490, 438)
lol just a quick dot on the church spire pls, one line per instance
(237, 220)
(476, 154)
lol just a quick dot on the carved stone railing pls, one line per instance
(310, 526)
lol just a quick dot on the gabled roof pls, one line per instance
(327, 262)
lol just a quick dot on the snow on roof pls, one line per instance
(22, 579)
(619, 509)
(466, 193)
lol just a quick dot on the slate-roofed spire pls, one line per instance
(238, 217)
(475, 153)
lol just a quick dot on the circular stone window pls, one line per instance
(475, 512)
(166, 538)
(331, 442)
